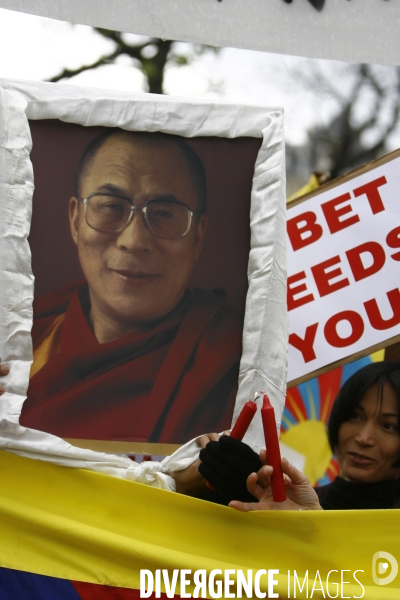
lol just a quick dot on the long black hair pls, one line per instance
(352, 392)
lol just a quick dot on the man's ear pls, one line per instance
(200, 233)
(74, 217)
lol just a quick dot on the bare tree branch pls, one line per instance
(343, 142)
(68, 73)
(153, 68)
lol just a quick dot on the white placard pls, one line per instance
(343, 257)
(350, 30)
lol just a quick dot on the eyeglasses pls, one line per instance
(110, 213)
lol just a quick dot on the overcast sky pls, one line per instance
(36, 48)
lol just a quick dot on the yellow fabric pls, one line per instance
(76, 524)
(48, 346)
(378, 356)
(309, 438)
(312, 184)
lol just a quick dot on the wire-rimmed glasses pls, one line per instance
(111, 213)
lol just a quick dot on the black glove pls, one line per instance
(226, 464)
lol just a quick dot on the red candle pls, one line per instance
(243, 421)
(273, 451)
(241, 426)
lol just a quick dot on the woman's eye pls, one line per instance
(356, 417)
(390, 426)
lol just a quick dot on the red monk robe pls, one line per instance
(167, 385)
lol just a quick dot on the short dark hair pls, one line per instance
(193, 160)
(353, 390)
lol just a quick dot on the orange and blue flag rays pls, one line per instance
(351, 368)
(329, 385)
(294, 411)
(302, 404)
(331, 473)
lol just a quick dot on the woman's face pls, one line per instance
(369, 443)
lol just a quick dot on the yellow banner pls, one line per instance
(75, 524)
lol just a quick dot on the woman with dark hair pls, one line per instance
(363, 432)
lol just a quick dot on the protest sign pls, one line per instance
(354, 31)
(343, 280)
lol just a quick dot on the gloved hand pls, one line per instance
(226, 464)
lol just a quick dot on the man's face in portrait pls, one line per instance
(135, 277)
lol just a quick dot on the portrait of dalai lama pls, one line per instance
(131, 353)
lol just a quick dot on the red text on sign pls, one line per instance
(328, 274)
(355, 324)
(304, 229)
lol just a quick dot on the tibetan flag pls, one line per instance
(71, 533)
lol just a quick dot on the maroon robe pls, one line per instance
(169, 384)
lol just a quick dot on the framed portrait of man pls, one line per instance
(157, 246)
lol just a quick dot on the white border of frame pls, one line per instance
(264, 357)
